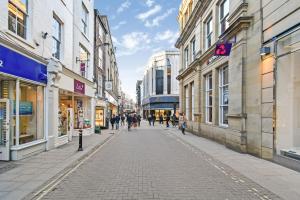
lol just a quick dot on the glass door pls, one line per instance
(4, 129)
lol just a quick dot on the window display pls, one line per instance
(31, 111)
(82, 113)
(99, 120)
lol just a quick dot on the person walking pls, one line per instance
(174, 120)
(139, 119)
(183, 126)
(129, 121)
(161, 119)
(150, 119)
(167, 120)
(112, 121)
(153, 119)
(122, 120)
(117, 121)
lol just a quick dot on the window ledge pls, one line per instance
(20, 39)
(27, 145)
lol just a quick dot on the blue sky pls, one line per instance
(139, 29)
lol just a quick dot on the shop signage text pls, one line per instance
(18, 65)
(223, 49)
(79, 87)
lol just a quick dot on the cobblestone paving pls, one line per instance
(151, 163)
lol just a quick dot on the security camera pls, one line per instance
(44, 35)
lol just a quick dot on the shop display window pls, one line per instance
(64, 115)
(31, 111)
(83, 112)
(99, 119)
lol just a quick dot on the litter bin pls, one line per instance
(98, 129)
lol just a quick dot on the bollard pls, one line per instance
(80, 141)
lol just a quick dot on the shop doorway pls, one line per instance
(4, 129)
(70, 124)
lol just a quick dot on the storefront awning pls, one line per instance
(161, 99)
(160, 106)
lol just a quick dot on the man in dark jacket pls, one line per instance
(117, 121)
(112, 121)
(129, 121)
(167, 120)
(139, 118)
(150, 119)
(153, 119)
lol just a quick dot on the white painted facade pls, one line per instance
(159, 61)
(61, 72)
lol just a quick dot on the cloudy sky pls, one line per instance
(139, 28)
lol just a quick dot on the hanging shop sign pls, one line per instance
(79, 87)
(223, 49)
(18, 65)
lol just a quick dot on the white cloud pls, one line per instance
(124, 6)
(156, 21)
(135, 39)
(115, 41)
(145, 15)
(168, 35)
(121, 23)
(131, 43)
(150, 3)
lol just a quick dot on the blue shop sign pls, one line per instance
(18, 65)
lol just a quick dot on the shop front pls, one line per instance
(23, 78)
(100, 115)
(112, 107)
(73, 107)
(287, 95)
(161, 106)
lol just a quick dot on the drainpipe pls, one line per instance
(275, 95)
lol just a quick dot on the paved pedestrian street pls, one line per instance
(153, 163)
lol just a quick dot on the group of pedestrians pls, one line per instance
(181, 121)
(134, 120)
(131, 119)
(173, 119)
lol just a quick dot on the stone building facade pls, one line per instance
(232, 99)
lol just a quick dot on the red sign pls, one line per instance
(79, 87)
(223, 49)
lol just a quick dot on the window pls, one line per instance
(100, 58)
(31, 113)
(193, 48)
(169, 70)
(209, 31)
(159, 81)
(56, 36)
(187, 103)
(193, 100)
(224, 95)
(84, 20)
(17, 17)
(208, 98)
(84, 61)
(224, 13)
(100, 85)
(186, 57)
